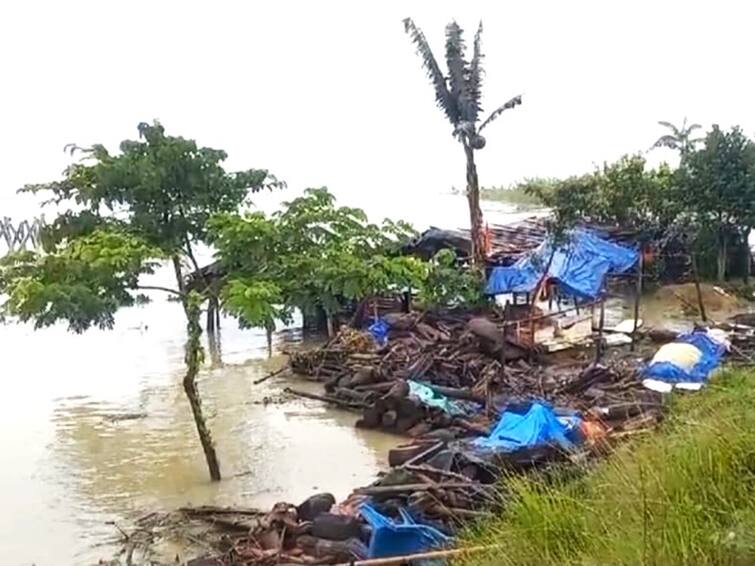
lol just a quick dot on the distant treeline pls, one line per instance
(708, 200)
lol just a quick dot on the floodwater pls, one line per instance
(96, 430)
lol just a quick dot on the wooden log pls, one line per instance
(351, 406)
(389, 418)
(457, 393)
(411, 487)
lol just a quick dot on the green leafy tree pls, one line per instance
(310, 255)
(459, 95)
(719, 190)
(150, 201)
(625, 193)
(447, 285)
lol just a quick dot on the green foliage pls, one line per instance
(314, 255)
(83, 281)
(150, 201)
(255, 303)
(447, 285)
(310, 255)
(624, 193)
(718, 196)
(683, 495)
(719, 180)
(164, 188)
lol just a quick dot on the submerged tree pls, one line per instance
(148, 203)
(459, 95)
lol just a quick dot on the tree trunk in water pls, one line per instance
(193, 361)
(213, 331)
(475, 214)
(721, 260)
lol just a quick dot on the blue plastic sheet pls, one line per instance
(398, 538)
(711, 353)
(578, 267)
(531, 425)
(431, 398)
(379, 330)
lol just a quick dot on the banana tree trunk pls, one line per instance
(475, 214)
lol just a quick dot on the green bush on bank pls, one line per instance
(682, 495)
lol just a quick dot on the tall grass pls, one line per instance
(682, 495)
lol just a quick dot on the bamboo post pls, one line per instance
(637, 295)
(431, 555)
(601, 322)
(502, 374)
(696, 277)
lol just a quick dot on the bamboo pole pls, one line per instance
(637, 295)
(697, 287)
(601, 322)
(432, 555)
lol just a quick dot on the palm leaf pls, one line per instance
(442, 95)
(474, 78)
(517, 100)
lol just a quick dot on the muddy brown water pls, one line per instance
(96, 430)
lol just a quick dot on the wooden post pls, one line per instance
(550, 296)
(601, 322)
(503, 345)
(700, 302)
(637, 295)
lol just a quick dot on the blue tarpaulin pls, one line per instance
(531, 425)
(710, 353)
(398, 538)
(578, 266)
(379, 330)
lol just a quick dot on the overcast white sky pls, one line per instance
(332, 93)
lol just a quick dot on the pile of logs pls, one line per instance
(460, 356)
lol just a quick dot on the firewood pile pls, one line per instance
(459, 356)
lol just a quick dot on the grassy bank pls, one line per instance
(682, 495)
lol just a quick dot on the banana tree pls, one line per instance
(679, 138)
(459, 95)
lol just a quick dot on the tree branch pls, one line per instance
(158, 288)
